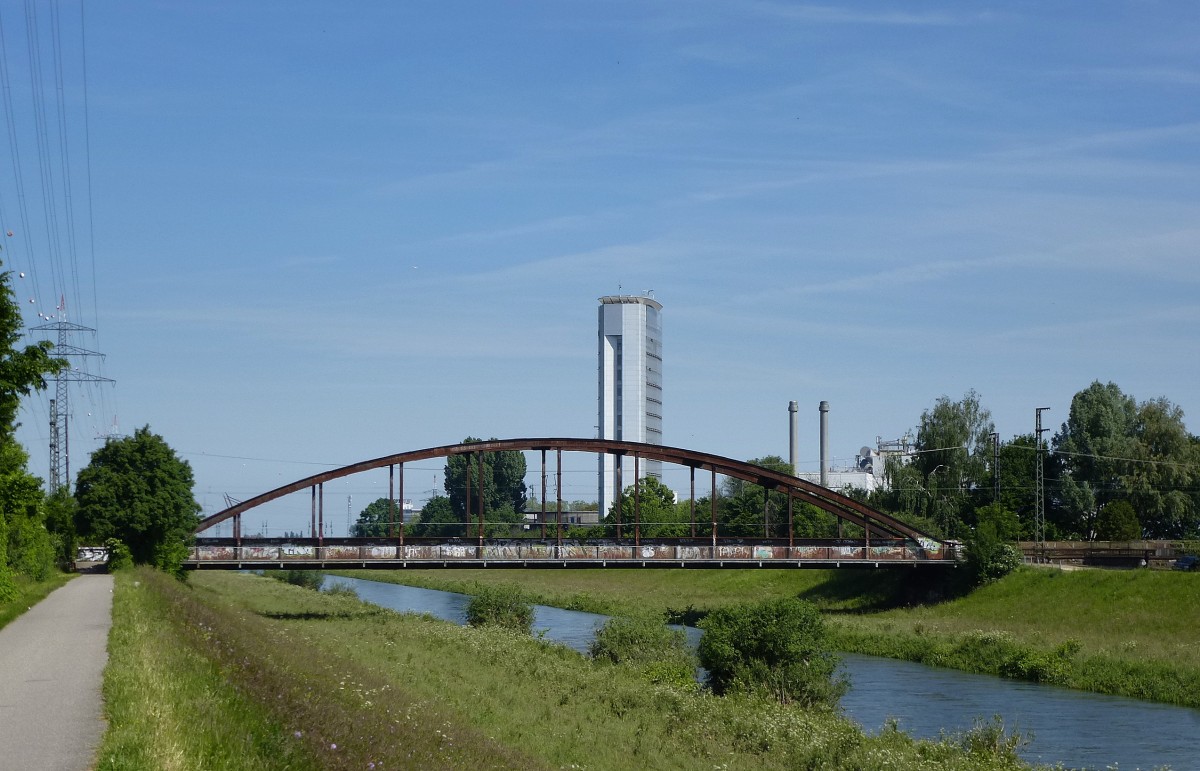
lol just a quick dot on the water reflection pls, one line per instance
(1079, 729)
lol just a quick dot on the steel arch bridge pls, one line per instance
(884, 539)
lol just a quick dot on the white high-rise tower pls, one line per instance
(630, 385)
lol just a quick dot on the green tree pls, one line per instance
(776, 646)
(1112, 448)
(954, 454)
(1117, 521)
(24, 540)
(1003, 522)
(1088, 448)
(30, 547)
(22, 370)
(380, 518)
(750, 510)
(60, 522)
(437, 520)
(1163, 477)
(137, 490)
(1018, 479)
(654, 508)
(503, 482)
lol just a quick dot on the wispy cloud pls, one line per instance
(1167, 76)
(1120, 139)
(1107, 325)
(825, 14)
(915, 273)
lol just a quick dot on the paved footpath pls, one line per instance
(51, 661)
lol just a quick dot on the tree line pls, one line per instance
(1116, 469)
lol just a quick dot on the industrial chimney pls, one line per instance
(824, 444)
(794, 433)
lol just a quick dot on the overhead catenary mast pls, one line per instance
(60, 451)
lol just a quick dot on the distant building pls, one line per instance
(630, 385)
(869, 471)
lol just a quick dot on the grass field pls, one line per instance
(1123, 632)
(237, 666)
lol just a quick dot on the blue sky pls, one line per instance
(318, 233)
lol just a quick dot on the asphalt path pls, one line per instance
(51, 661)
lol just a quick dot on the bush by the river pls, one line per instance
(778, 647)
(308, 579)
(990, 553)
(659, 653)
(502, 606)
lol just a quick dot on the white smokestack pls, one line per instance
(824, 444)
(794, 433)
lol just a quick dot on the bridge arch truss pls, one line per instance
(873, 523)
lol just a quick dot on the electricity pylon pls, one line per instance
(60, 450)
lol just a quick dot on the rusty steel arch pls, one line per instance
(874, 522)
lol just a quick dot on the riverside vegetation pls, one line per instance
(235, 670)
(1129, 633)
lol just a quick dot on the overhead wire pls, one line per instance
(48, 267)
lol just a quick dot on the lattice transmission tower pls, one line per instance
(1039, 528)
(60, 443)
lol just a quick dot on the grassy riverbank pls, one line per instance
(626, 591)
(30, 593)
(1120, 632)
(1131, 633)
(241, 666)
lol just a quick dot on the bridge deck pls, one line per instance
(475, 563)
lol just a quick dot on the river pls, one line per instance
(1075, 728)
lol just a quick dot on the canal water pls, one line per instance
(1078, 729)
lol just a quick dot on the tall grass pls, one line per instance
(502, 698)
(235, 683)
(168, 705)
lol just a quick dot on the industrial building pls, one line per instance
(630, 386)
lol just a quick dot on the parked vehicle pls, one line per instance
(1189, 562)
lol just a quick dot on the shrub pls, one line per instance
(778, 647)
(988, 556)
(341, 590)
(119, 556)
(8, 586)
(1039, 667)
(658, 652)
(309, 579)
(30, 549)
(503, 606)
(989, 739)
(169, 557)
